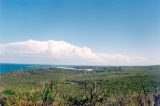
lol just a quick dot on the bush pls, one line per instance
(9, 92)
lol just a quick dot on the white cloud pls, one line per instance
(61, 52)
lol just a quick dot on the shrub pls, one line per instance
(9, 92)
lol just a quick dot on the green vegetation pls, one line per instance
(101, 86)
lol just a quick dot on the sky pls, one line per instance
(87, 32)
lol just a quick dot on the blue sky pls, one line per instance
(114, 26)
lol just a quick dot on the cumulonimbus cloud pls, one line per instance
(64, 53)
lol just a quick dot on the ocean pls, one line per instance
(6, 67)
